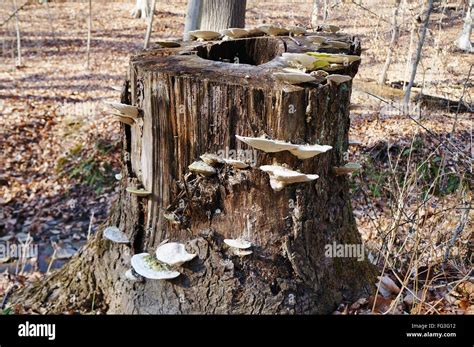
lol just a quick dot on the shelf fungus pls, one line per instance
(237, 164)
(267, 145)
(303, 60)
(168, 44)
(235, 33)
(280, 176)
(211, 159)
(334, 58)
(296, 30)
(205, 35)
(316, 39)
(200, 167)
(294, 77)
(272, 30)
(309, 151)
(114, 234)
(138, 191)
(127, 111)
(338, 79)
(238, 243)
(336, 44)
(173, 254)
(347, 169)
(147, 266)
(330, 28)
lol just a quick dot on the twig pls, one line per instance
(91, 221)
(461, 99)
(150, 25)
(381, 17)
(459, 228)
(15, 12)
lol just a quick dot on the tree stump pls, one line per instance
(193, 100)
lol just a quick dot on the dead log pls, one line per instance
(194, 100)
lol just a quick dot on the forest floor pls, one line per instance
(61, 148)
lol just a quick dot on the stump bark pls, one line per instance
(194, 99)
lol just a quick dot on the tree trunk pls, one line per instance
(193, 17)
(464, 40)
(192, 104)
(391, 47)
(222, 14)
(142, 9)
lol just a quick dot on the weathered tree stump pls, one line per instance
(194, 99)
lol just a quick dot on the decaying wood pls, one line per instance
(193, 102)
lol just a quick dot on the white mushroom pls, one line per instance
(338, 79)
(238, 243)
(235, 33)
(280, 176)
(202, 168)
(304, 60)
(205, 35)
(114, 234)
(347, 169)
(330, 28)
(173, 254)
(238, 164)
(168, 44)
(309, 151)
(334, 58)
(211, 159)
(124, 110)
(294, 77)
(130, 276)
(317, 39)
(118, 176)
(147, 266)
(138, 192)
(267, 145)
(242, 252)
(296, 30)
(273, 30)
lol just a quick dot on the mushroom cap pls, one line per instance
(294, 77)
(302, 59)
(168, 44)
(124, 110)
(114, 234)
(285, 175)
(238, 164)
(138, 192)
(334, 58)
(338, 79)
(205, 34)
(173, 254)
(146, 266)
(309, 151)
(296, 30)
(126, 120)
(211, 159)
(238, 243)
(273, 30)
(202, 168)
(267, 145)
(347, 169)
(336, 44)
(235, 33)
(242, 252)
(317, 39)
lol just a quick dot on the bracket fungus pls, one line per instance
(296, 30)
(272, 30)
(304, 60)
(235, 33)
(124, 110)
(238, 243)
(205, 35)
(147, 266)
(173, 254)
(200, 167)
(238, 164)
(129, 274)
(316, 39)
(280, 176)
(294, 77)
(338, 79)
(336, 44)
(309, 151)
(330, 28)
(138, 192)
(334, 58)
(347, 169)
(267, 145)
(114, 234)
(168, 44)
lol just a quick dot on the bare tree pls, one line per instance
(315, 14)
(89, 34)
(142, 9)
(18, 35)
(393, 40)
(222, 14)
(150, 25)
(406, 98)
(193, 17)
(464, 40)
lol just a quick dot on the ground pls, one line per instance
(61, 147)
